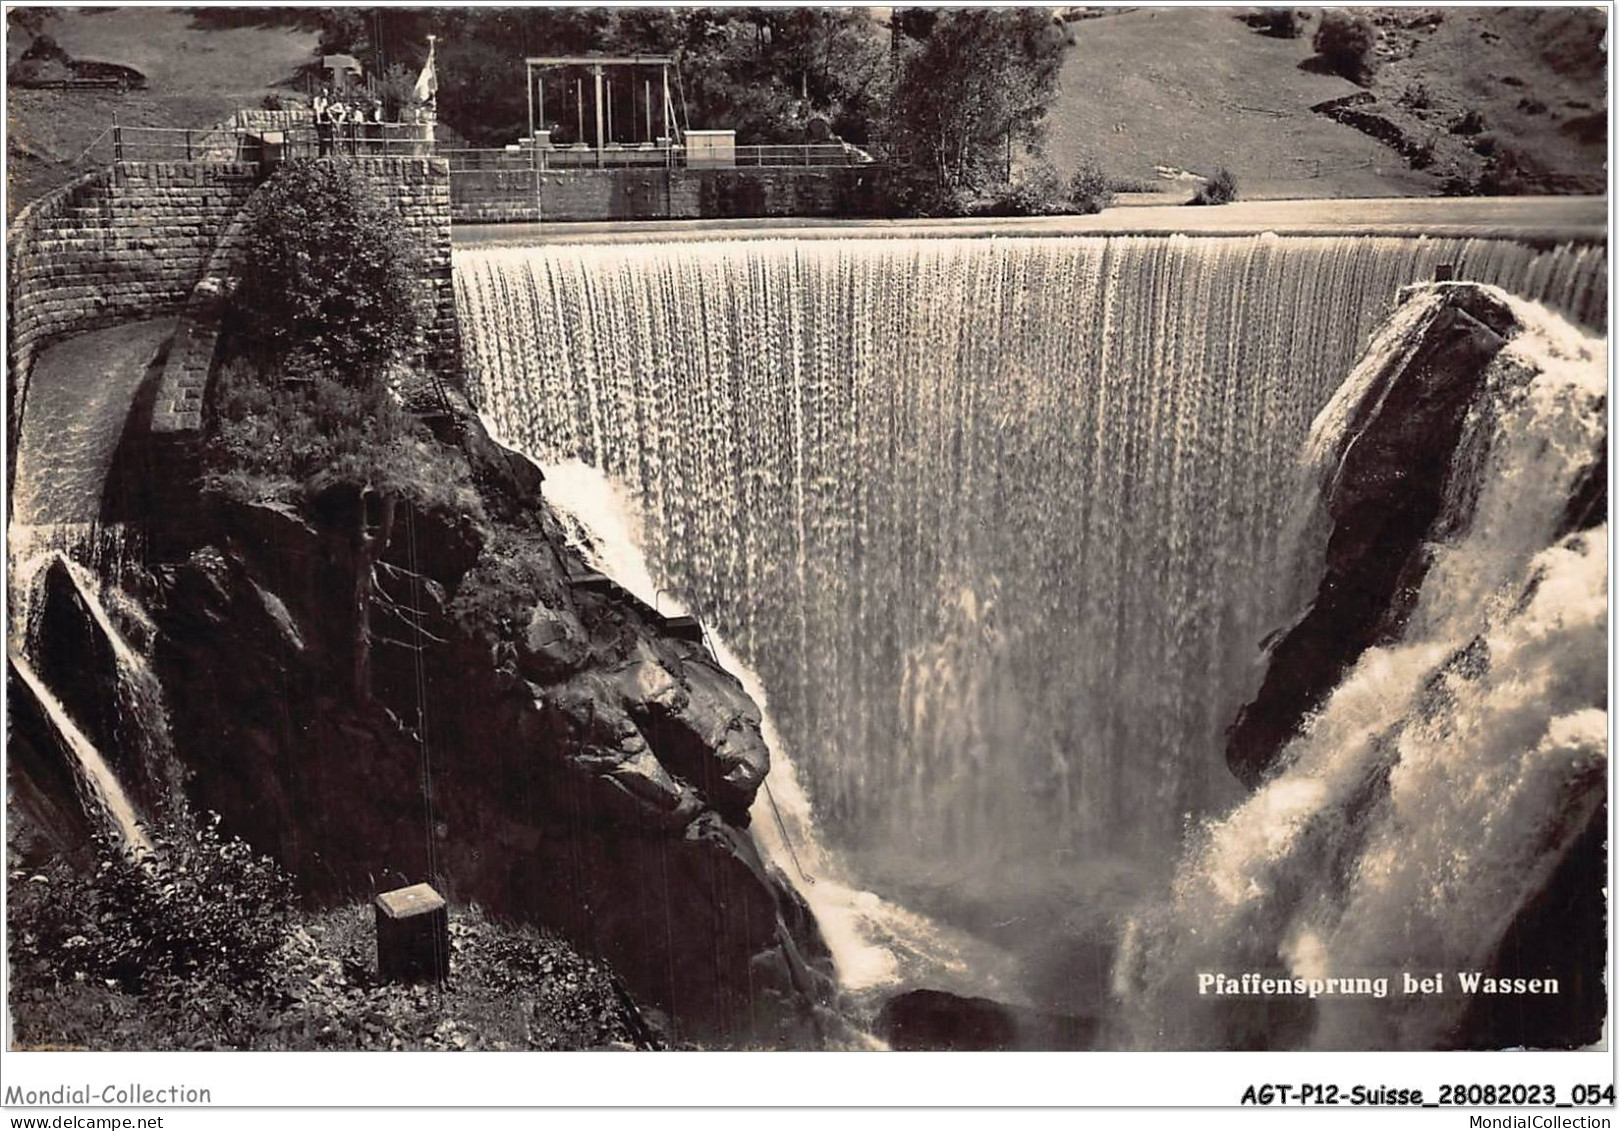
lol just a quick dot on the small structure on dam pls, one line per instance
(634, 93)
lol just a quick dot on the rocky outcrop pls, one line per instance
(1360, 111)
(1388, 483)
(1401, 475)
(376, 689)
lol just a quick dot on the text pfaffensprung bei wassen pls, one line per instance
(111, 1095)
(1253, 984)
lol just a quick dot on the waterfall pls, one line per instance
(874, 942)
(993, 519)
(999, 524)
(1448, 774)
(100, 792)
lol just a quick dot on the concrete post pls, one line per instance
(413, 935)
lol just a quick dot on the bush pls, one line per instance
(1283, 23)
(1035, 190)
(272, 434)
(1345, 41)
(330, 277)
(1220, 188)
(1089, 187)
(1416, 96)
(398, 93)
(1135, 185)
(200, 908)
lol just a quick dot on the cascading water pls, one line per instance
(1448, 774)
(874, 943)
(100, 792)
(997, 522)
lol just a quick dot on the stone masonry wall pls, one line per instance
(419, 187)
(121, 243)
(522, 195)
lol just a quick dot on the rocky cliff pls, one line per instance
(377, 689)
(1409, 479)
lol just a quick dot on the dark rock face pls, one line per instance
(1387, 489)
(46, 821)
(104, 686)
(934, 1020)
(1557, 934)
(1384, 500)
(352, 694)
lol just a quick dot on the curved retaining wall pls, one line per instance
(418, 188)
(140, 239)
(118, 244)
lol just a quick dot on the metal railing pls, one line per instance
(239, 143)
(527, 157)
(297, 136)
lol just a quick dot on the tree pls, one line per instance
(979, 81)
(1220, 188)
(330, 279)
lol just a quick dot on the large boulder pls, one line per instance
(1385, 486)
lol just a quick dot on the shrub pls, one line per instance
(1345, 41)
(1283, 23)
(1089, 187)
(1220, 188)
(271, 434)
(1135, 185)
(1416, 96)
(329, 284)
(1035, 190)
(398, 93)
(200, 908)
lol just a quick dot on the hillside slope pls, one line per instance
(197, 71)
(1195, 88)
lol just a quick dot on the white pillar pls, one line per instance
(600, 147)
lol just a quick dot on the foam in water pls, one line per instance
(1446, 776)
(995, 521)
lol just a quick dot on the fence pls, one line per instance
(649, 156)
(240, 143)
(248, 136)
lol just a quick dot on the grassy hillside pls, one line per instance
(1535, 77)
(1194, 88)
(1142, 89)
(198, 71)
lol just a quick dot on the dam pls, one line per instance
(1002, 525)
(998, 538)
